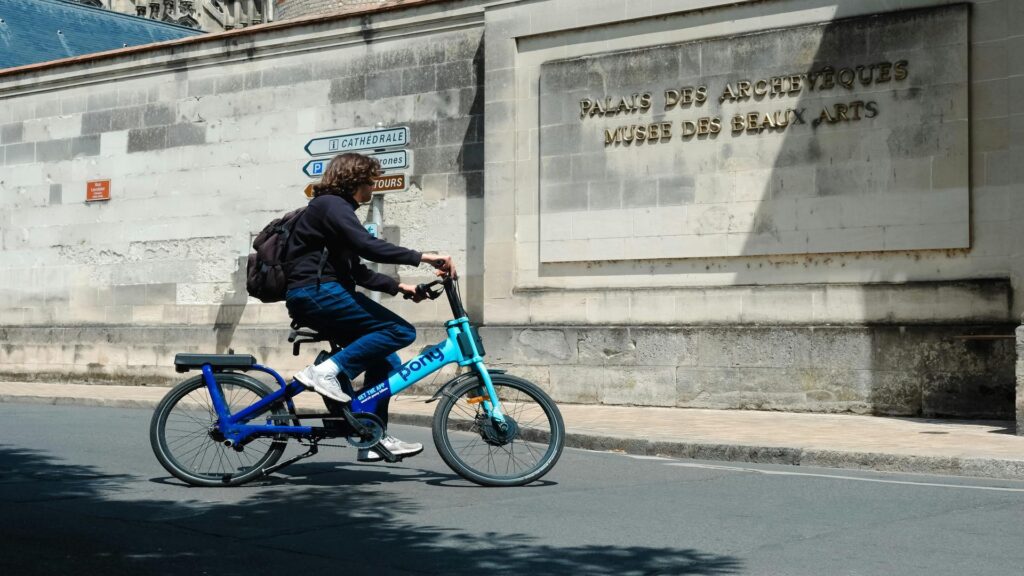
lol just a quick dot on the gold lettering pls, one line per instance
(776, 83)
(781, 118)
(738, 123)
(689, 128)
(855, 107)
(761, 87)
(866, 79)
(884, 70)
(672, 98)
(825, 116)
(702, 94)
(900, 70)
(767, 122)
(585, 105)
(796, 84)
(841, 113)
(704, 126)
(645, 102)
(743, 89)
(654, 132)
(846, 77)
(666, 129)
(716, 125)
(612, 136)
(828, 78)
(812, 79)
(872, 109)
(728, 94)
(752, 119)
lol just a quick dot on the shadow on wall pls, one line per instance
(229, 314)
(69, 519)
(890, 183)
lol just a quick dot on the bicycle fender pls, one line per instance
(458, 380)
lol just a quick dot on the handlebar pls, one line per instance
(450, 287)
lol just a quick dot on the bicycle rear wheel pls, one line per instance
(184, 437)
(469, 442)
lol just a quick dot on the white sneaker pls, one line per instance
(323, 383)
(394, 445)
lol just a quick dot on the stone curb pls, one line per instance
(970, 467)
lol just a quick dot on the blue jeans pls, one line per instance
(369, 332)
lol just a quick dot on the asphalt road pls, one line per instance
(81, 493)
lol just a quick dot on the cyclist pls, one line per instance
(322, 295)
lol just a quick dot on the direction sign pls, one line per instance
(391, 183)
(388, 161)
(365, 140)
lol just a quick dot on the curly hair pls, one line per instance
(346, 173)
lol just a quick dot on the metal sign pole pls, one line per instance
(377, 218)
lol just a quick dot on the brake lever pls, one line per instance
(424, 291)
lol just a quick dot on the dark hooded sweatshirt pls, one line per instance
(331, 221)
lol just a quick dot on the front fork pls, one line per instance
(491, 402)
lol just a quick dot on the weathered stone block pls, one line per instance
(384, 84)
(612, 346)
(419, 80)
(185, 135)
(96, 122)
(53, 150)
(12, 133)
(146, 139)
(202, 87)
(125, 118)
(347, 89)
(102, 100)
(287, 75)
(158, 114)
(85, 146)
(20, 153)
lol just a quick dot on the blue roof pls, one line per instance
(42, 30)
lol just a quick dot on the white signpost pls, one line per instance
(396, 160)
(364, 140)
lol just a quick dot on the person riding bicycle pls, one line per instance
(322, 289)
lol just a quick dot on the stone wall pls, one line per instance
(200, 156)
(1020, 380)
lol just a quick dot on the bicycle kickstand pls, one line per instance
(313, 449)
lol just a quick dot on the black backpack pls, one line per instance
(266, 279)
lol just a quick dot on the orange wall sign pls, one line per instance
(97, 190)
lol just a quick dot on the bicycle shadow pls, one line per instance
(62, 518)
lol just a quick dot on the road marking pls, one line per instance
(842, 477)
(638, 457)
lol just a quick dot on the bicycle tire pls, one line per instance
(165, 451)
(503, 384)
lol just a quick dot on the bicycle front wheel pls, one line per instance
(185, 440)
(480, 451)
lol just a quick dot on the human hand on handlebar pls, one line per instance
(444, 264)
(410, 293)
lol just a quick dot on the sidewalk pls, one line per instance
(968, 448)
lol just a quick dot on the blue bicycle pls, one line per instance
(225, 427)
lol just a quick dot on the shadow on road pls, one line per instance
(63, 519)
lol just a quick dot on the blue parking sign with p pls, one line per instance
(314, 168)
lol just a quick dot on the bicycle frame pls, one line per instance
(462, 347)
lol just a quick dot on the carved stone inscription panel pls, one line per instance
(841, 137)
